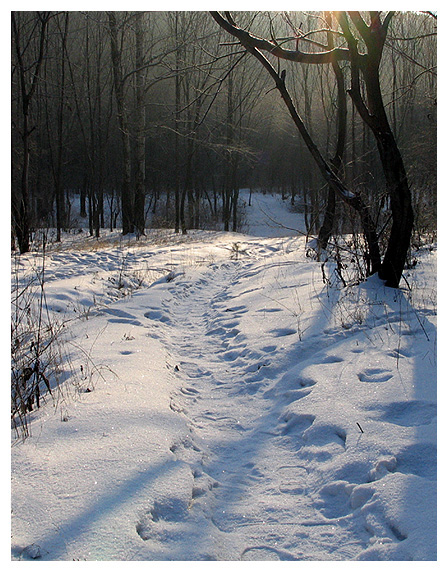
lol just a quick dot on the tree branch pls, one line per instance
(248, 39)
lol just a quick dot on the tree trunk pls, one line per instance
(61, 220)
(326, 229)
(126, 198)
(402, 212)
(28, 86)
(139, 216)
(374, 115)
(177, 127)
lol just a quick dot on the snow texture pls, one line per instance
(233, 406)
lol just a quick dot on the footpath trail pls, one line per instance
(224, 399)
(251, 495)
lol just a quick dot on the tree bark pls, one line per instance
(326, 228)
(126, 198)
(139, 215)
(61, 219)
(374, 116)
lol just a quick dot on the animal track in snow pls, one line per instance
(192, 370)
(323, 434)
(190, 391)
(230, 325)
(292, 394)
(238, 309)
(170, 510)
(121, 317)
(225, 421)
(124, 321)
(232, 355)
(216, 331)
(375, 375)
(118, 313)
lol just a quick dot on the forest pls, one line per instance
(224, 286)
(171, 113)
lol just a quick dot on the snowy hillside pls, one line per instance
(223, 402)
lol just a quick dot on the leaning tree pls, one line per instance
(361, 41)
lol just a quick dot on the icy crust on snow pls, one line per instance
(239, 408)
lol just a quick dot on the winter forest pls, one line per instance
(223, 285)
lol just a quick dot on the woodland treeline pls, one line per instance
(171, 113)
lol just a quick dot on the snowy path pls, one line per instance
(236, 408)
(250, 482)
(261, 486)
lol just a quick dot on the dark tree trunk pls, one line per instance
(126, 197)
(139, 216)
(28, 86)
(402, 212)
(374, 115)
(61, 214)
(326, 229)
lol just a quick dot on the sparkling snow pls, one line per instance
(222, 402)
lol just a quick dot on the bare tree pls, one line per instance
(372, 36)
(119, 85)
(254, 45)
(336, 161)
(140, 136)
(29, 48)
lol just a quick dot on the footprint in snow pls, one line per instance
(124, 321)
(326, 435)
(266, 553)
(119, 313)
(281, 332)
(293, 480)
(334, 499)
(190, 391)
(296, 423)
(399, 352)
(332, 359)
(156, 315)
(268, 349)
(238, 309)
(375, 375)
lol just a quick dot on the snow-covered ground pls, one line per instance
(223, 402)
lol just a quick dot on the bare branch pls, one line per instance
(248, 39)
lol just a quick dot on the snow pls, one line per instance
(222, 402)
